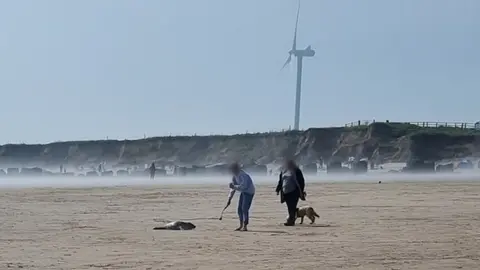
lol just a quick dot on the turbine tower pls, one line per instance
(300, 54)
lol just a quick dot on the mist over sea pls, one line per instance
(86, 182)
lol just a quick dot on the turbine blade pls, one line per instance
(294, 46)
(289, 59)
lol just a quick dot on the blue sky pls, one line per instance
(91, 69)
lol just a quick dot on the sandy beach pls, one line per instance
(361, 226)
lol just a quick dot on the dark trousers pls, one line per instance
(291, 199)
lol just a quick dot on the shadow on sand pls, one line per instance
(296, 226)
(186, 219)
(265, 231)
(317, 225)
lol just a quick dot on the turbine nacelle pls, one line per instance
(307, 52)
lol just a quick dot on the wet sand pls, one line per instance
(361, 226)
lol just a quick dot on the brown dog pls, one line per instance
(308, 212)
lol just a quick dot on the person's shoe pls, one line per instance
(290, 222)
(239, 228)
(244, 229)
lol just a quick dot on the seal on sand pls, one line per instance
(177, 225)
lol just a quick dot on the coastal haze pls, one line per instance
(222, 181)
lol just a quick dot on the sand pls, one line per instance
(362, 226)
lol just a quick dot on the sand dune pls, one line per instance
(362, 226)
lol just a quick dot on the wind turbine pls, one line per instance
(307, 52)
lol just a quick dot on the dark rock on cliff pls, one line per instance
(437, 145)
(420, 166)
(335, 166)
(360, 167)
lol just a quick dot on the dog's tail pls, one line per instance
(160, 228)
(315, 213)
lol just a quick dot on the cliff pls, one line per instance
(384, 142)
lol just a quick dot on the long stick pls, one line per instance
(221, 215)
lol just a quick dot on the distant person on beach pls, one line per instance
(243, 183)
(152, 170)
(291, 188)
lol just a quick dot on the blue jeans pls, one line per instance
(244, 203)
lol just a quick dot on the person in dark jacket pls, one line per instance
(152, 170)
(291, 188)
